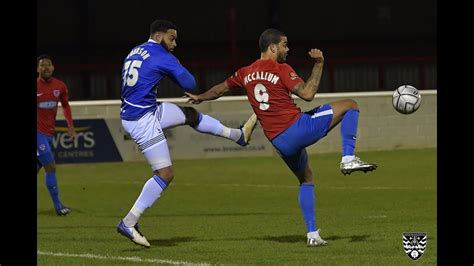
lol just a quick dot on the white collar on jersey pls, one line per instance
(151, 40)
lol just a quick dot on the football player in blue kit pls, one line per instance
(144, 118)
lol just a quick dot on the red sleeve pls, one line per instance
(66, 108)
(235, 81)
(288, 76)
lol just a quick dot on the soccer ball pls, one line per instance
(406, 99)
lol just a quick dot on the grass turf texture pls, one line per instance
(243, 211)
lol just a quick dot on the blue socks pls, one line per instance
(349, 131)
(307, 202)
(52, 185)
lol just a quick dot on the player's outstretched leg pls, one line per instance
(347, 111)
(207, 124)
(210, 125)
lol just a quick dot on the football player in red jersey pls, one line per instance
(49, 91)
(269, 83)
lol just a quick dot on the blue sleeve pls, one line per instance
(186, 81)
(179, 74)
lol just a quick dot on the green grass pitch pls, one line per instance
(243, 211)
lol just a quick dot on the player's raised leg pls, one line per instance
(346, 112)
(207, 124)
(173, 115)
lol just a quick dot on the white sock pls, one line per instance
(132, 217)
(347, 158)
(151, 192)
(313, 234)
(232, 133)
(212, 126)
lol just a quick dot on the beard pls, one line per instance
(281, 58)
(166, 46)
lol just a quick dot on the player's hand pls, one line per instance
(71, 132)
(317, 55)
(194, 99)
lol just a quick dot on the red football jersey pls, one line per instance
(48, 94)
(268, 85)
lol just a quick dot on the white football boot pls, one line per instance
(132, 233)
(356, 165)
(247, 130)
(314, 239)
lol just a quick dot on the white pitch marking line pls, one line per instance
(273, 186)
(296, 186)
(376, 216)
(103, 257)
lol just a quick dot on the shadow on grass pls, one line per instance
(283, 239)
(299, 238)
(52, 212)
(200, 214)
(170, 242)
(359, 238)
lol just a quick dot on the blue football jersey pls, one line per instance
(143, 69)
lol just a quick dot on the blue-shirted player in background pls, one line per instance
(144, 119)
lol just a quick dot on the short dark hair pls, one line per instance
(43, 56)
(269, 36)
(161, 26)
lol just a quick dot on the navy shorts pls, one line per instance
(310, 127)
(43, 148)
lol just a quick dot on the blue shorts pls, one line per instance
(310, 127)
(43, 148)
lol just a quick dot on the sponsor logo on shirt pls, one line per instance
(47, 105)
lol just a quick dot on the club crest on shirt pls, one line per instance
(42, 147)
(56, 93)
(293, 75)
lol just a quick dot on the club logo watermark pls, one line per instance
(414, 244)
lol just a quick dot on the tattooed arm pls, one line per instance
(307, 90)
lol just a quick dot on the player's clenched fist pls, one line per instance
(317, 55)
